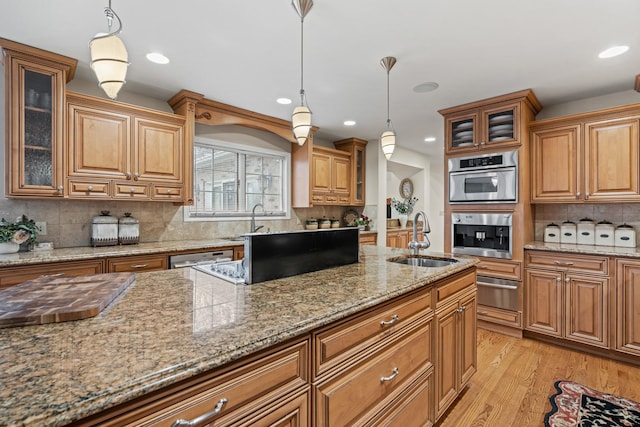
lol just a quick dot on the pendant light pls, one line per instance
(388, 138)
(301, 117)
(109, 59)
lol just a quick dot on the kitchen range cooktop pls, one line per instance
(231, 271)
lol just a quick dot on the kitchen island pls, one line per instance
(171, 326)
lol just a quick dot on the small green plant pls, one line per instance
(363, 220)
(404, 206)
(24, 230)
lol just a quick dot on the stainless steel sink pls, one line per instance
(423, 261)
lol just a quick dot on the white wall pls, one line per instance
(615, 99)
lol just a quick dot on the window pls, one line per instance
(229, 180)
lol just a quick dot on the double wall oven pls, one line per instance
(479, 183)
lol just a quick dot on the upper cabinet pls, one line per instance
(357, 148)
(490, 124)
(35, 90)
(120, 151)
(325, 176)
(592, 157)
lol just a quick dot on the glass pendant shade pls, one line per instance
(301, 122)
(109, 60)
(388, 143)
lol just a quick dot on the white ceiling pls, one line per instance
(247, 53)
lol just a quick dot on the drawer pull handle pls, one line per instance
(393, 320)
(90, 188)
(562, 263)
(484, 313)
(140, 266)
(53, 275)
(461, 309)
(391, 377)
(202, 418)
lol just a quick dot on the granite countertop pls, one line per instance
(171, 325)
(89, 252)
(615, 251)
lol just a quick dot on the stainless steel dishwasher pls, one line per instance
(188, 260)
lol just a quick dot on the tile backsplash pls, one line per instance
(69, 221)
(617, 214)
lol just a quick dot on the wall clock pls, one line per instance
(406, 188)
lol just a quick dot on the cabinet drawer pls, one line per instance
(247, 389)
(567, 262)
(363, 389)
(167, 192)
(503, 317)
(368, 239)
(318, 198)
(88, 189)
(130, 190)
(454, 288)
(503, 269)
(10, 276)
(137, 263)
(354, 337)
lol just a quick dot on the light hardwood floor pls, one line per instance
(515, 379)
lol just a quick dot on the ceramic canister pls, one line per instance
(605, 234)
(568, 232)
(104, 230)
(625, 236)
(552, 233)
(128, 230)
(586, 232)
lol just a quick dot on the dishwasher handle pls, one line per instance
(497, 283)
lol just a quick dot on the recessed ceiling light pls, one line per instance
(426, 87)
(430, 139)
(613, 51)
(283, 101)
(157, 58)
(349, 122)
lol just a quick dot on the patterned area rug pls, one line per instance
(575, 405)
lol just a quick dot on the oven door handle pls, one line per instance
(496, 285)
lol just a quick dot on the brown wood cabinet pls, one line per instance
(270, 389)
(587, 158)
(399, 238)
(567, 296)
(455, 334)
(369, 239)
(492, 124)
(10, 276)
(330, 177)
(119, 151)
(137, 263)
(369, 362)
(357, 148)
(628, 306)
(35, 92)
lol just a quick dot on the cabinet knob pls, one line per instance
(90, 188)
(482, 143)
(567, 280)
(133, 190)
(577, 194)
(586, 195)
(128, 175)
(59, 188)
(136, 176)
(558, 279)
(168, 191)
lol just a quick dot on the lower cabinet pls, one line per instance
(628, 306)
(368, 239)
(455, 341)
(137, 263)
(10, 276)
(568, 298)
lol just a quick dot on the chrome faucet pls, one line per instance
(253, 218)
(415, 245)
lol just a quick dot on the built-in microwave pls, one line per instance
(487, 178)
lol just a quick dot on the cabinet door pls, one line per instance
(462, 132)
(10, 276)
(35, 112)
(446, 365)
(500, 126)
(468, 339)
(99, 142)
(340, 174)
(158, 151)
(321, 173)
(555, 167)
(586, 310)
(543, 296)
(611, 159)
(628, 306)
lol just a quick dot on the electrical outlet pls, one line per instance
(42, 227)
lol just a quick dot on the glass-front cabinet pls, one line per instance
(35, 86)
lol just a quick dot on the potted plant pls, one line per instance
(13, 234)
(363, 222)
(404, 208)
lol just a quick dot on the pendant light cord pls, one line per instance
(302, 60)
(388, 102)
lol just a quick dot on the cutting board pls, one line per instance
(50, 299)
